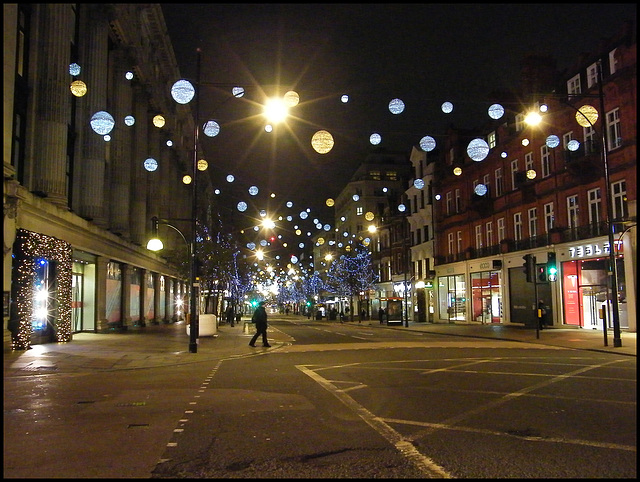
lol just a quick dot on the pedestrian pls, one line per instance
(287, 310)
(341, 316)
(260, 319)
(230, 315)
(381, 314)
(363, 314)
(542, 315)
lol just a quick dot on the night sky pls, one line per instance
(422, 54)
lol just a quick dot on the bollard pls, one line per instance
(246, 327)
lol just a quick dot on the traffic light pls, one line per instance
(529, 267)
(541, 274)
(552, 269)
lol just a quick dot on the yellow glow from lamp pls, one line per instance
(330, 202)
(533, 118)
(275, 110)
(369, 216)
(186, 179)
(155, 244)
(531, 174)
(78, 88)
(457, 171)
(202, 165)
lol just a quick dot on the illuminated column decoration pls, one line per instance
(30, 246)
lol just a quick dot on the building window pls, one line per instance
(590, 145)
(592, 75)
(533, 222)
(619, 198)
(391, 175)
(452, 296)
(359, 210)
(549, 217)
(486, 180)
(458, 201)
(498, 178)
(517, 226)
(489, 233)
(545, 161)
(613, 129)
(375, 175)
(573, 85)
(566, 138)
(613, 63)
(573, 211)
(450, 239)
(450, 157)
(478, 229)
(422, 195)
(492, 139)
(528, 161)
(595, 200)
(514, 170)
(459, 236)
(501, 229)
(519, 122)
(449, 201)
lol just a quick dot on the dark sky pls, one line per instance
(423, 54)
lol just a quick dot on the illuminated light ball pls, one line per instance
(496, 111)
(396, 106)
(150, 164)
(478, 149)
(355, 197)
(345, 234)
(129, 120)
(289, 218)
(107, 138)
(78, 88)
(251, 245)
(375, 139)
(183, 91)
(438, 197)
(457, 171)
(343, 218)
(291, 98)
(237, 91)
(573, 145)
(366, 241)
(230, 178)
(186, 179)
(128, 75)
(525, 142)
(322, 142)
(216, 191)
(427, 143)
(298, 232)
(169, 142)
(294, 259)
(242, 206)
(320, 241)
(289, 204)
(447, 107)
(272, 195)
(344, 99)
(263, 242)
(327, 227)
(102, 122)
(211, 128)
(480, 189)
(418, 183)
(504, 154)
(531, 174)
(268, 128)
(369, 216)
(257, 228)
(402, 208)
(587, 115)
(552, 141)
(303, 215)
(74, 69)
(202, 165)
(330, 202)
(263, 213)
(253, 190)
(301, 245)
(159, 121)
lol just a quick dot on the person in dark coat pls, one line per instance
(260, 319)
(230, 315)
(381, 314)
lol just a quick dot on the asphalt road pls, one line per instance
(328, 401)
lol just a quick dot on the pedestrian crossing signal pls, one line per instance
(552, 269)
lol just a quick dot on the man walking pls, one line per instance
(260, 319)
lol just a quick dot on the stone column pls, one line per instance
(125, 316)
(52, 100)
(140, 222)
(101, 294)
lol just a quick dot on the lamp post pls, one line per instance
(155, 244)
(612, 271)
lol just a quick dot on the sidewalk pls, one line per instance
(168, 344)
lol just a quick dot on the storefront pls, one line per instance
(585, 285)
(452, 297)
(486, 296)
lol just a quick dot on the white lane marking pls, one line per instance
(404, 446)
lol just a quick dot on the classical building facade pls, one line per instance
(83, 84)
